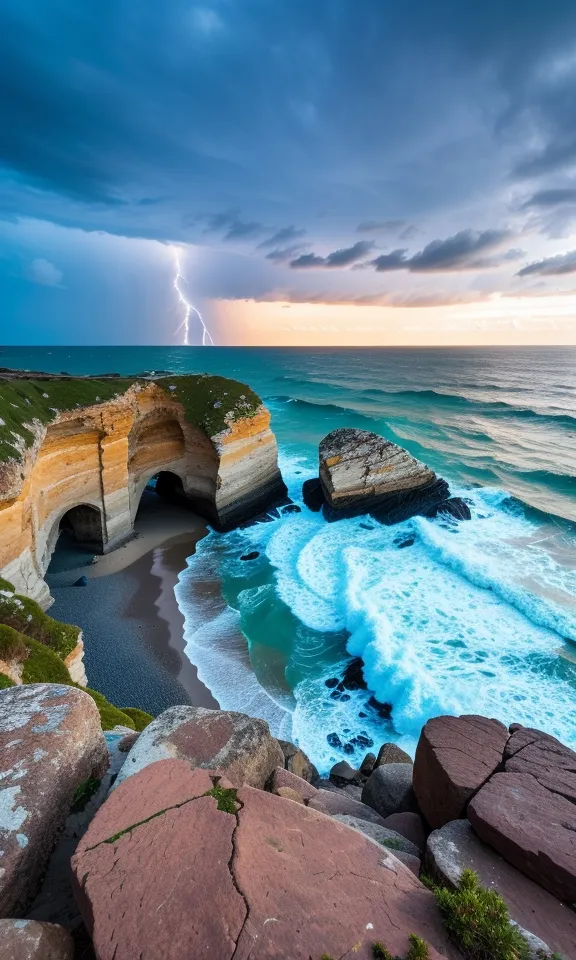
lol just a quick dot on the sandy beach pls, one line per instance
(133, 628)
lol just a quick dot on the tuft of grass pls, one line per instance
(210, 402)
(83, 793)
(13, 646)
(226, 798)
(391, 843)
(110, 716)
(478, 922)
(27, 617)
(6, 682)
(140, 717)
(418, 950)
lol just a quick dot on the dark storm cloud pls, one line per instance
(285, 235)
(380, 226)
(338, 258)
(552, 198)
(460, 252)
(283, 255)
(551, 266)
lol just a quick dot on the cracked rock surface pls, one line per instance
(164, 871)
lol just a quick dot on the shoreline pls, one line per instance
(133, 627)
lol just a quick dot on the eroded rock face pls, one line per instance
(50, 742)
(213, 739)
(545, 758)
(296, 761)
(162, 872)
(531, 827)
(361, 472)
(30, 940)
(455, 847)
(454, 757)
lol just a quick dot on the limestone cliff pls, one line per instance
(81, 450)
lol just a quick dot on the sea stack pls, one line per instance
(361, 472)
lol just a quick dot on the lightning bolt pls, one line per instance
(189, 308)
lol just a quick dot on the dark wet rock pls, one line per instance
(241, 746)
(253, 555)
(388, 838)
(313, 494)
(410, 825)
(51, 742)
(30, 940)
(162, 872)
(81, 581)
(391, 753)
(402, 542)
(296, 761)
(348, 748)
(456, 847)
(362, 740)
(384, 710)
(454, 507)
(353, 676)
(361, 472)
(291, 508)
(343, 774)
(533, 828)
(389, 789)
(454, 757)
(334, 740)
(368, 764)
(332, 682)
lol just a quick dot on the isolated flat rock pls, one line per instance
(284, 780)
(389, 789)
(388, 838)
(272, 880)
(454, 757)
(212, 739)
(51, 740)
(410, 825)
(333, 803)
(455, 847)
(362, 472)
(549, 761)
(30, 940)
(531, 827)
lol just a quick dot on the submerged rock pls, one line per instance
(168, 870)
(361, 472)
(242, 746)
(454, 507)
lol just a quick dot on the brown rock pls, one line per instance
(296, 761)
(212, 739)
(391, 753)
(271, 881)
(30, 940)
(409, 825)
(331, 803)
(50, 741)
(531, 827)
(289, 794)
(368, 764)
(454, 757)
(455, 847)
(283, 779)
(545, 758)
(128, 742)
(343, 775)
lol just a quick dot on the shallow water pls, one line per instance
(472, 617)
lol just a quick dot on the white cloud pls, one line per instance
(45, 273)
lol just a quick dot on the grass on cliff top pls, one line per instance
(140, 717)
(27, 617)
(208, 402)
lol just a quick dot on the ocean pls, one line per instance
(476, 617)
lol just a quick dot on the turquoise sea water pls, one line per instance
(473, 617)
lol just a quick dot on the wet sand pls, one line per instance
(133, 627)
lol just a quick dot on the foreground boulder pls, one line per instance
(546, 759)
(455, 847)
(531, 827)
(212, 739)
(361, 472)
(454, 757)
(51, 741)
(29, 940)
(389, 789)
(176, 864)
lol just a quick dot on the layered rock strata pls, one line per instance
(79, 452)
(361, 472)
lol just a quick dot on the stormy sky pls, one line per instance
(366, 159)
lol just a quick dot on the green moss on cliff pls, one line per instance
(208, 402)
(6, 682)
(110, 716)
(26, 616)
(140, 717)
